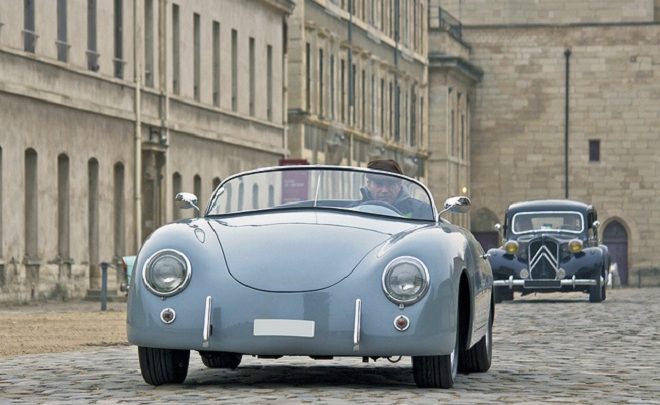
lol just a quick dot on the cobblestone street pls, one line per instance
(554, 348)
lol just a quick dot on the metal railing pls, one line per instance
(442, 20)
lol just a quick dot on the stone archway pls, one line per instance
(615, 237)
(483, 222)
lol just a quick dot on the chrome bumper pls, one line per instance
(546, 284)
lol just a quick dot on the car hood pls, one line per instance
(299, 251)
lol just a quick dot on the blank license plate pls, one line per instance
(283, 327)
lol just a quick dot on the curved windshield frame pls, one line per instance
(323, 187)
(547, 221)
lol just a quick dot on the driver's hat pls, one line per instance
(386, 165)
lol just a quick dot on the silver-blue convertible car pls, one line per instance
(316, 261)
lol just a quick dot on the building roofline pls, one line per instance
(464, 67)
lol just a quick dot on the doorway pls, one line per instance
(615, 238)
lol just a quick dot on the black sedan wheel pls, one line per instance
(221, 359)
(437, 371)
(597, 292)
(163, 366)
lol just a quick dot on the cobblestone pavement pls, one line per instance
(553, 348)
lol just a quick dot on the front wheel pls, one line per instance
(479, 357)
(163, 366)
(597, 292)
(437, 371)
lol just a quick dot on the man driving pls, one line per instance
(390, 190)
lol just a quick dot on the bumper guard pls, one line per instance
(549, 284)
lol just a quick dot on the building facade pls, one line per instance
(598, 145)
(358, 82)
(109, 108)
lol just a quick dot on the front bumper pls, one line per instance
(547, 284)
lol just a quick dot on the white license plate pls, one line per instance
(283, 327)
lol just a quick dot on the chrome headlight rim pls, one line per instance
(420, 266)
(178, 255)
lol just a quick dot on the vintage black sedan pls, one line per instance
(550, 245)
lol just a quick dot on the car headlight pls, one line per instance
(575, 246)
(405, 280)
(166, 272)
(511, 247)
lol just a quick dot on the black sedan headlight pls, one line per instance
(166, 272)
(405, 280)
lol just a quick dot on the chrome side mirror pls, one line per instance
(497, 227)
(186, 201)
(459, 204)
(596, 225)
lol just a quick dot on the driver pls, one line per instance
(390, 190)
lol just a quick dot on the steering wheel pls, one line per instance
(383, 204)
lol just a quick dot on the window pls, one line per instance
(308, 77)
(342, 83)
(197, 188)
(1, 200)
(176, 189)
(176, 41)
(92, 55)
(61, 43)
(234, 70)
(363, 108)
(413, 117)
(269, 82)
(119, 39)
(594, 150)
(63, 206)
(149, 43)
(216, 63)
(252, 76)
(462, 136)
(197, 54)
(397, 114)
(332, 87)
(93, 221)
(453, 142)
(29, 34)
(382, 106)
(373, 103)
(31, 205)
(255, 196)
(216, 182)
(120, 224)
(321, 82)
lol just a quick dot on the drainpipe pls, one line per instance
(397, 94)
(567, 54)
(351, 73)
(137, 74)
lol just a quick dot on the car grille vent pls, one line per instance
(543, 259)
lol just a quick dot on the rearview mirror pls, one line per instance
(186, 201)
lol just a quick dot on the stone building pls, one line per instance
(519, 112)
(358, 82)
(109, 108)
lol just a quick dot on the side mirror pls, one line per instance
(596, 225)
(186, 201)
(460, 204)
(497, 227)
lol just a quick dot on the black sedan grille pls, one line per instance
(543, 259)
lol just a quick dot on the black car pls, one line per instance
(550, 245)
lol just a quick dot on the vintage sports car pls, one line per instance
(297, 260)
(550, 245)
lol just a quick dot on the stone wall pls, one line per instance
(517, 139)
(503, 12)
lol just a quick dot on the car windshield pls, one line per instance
(555, 221)
(304, 187)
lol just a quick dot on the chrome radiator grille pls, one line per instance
(543, 259)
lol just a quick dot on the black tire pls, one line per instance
(163, 366)
(597, 292)
(437, 371)
(502, 294)
(221, 359)
(479, 357)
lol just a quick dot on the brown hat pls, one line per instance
(386, 165)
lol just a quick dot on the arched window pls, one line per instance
(119, 214)
(271, 196)
(255, 196)
(93, 222)
(197, 189)
(63, 238)
(216, 182)
(31, 204)
(176, 189)
(240, 196)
